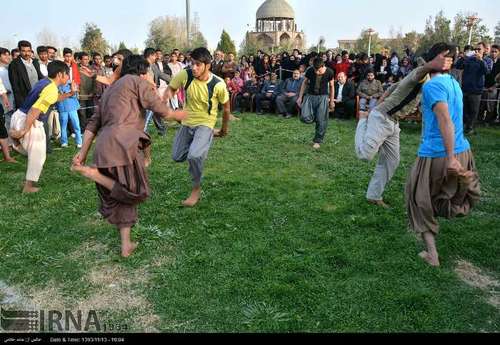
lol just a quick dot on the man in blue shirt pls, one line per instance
(444, 181)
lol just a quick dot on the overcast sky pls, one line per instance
(128, 20)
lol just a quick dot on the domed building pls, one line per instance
(275, 26)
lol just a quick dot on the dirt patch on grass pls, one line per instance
(475, 277)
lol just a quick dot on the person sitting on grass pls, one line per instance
(119, 165)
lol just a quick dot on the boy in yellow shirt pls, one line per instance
(28, 130)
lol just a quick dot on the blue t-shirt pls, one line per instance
(443, 88)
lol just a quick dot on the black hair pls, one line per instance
(318, 63)
(13, 51)
(42, 49)
(344, 52)
(134, 65)
(106, 57)
(202, 55)
(23, 44)
(495, 46)
(468, 47)
(53, 48)
(56, 67)
(67, 51)
(124, 52)
(370, 70)
(158, 51)
(439, 48)
(95, 54)
(148, 52)
(82, 54)
(4, 51)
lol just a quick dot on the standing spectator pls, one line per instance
(473, 82)
(369, 91)
(68, 104)
(5, 59)
(43, 56)
(182, 60)
(87, 93)
(4, 101)
(108, 66)
(274, 65)
(492, 87)
(319, 81)
(24, 73)
(176, 67)
(14, 53)
(52, 53)
(98, 69)
(345, 65)
(230, 67)
(286, 102)
(218, 63)
(345, 97)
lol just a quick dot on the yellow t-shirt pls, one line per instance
(197, 99)
(48, 97)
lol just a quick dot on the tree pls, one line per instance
(460, 32)
(250, 46)
(497, 33)
(412, 40)
(47, 38)
(363, 42)
(437, 30)
(169, 33)
(226, 45)
(93, 40)
(122, 46)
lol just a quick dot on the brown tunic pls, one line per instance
(119, 121)
(431, 193)
(119, 125)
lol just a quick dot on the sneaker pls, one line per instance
(73, 135)
(64, 146)
(288, 116)
(79, 146)
(316, 146)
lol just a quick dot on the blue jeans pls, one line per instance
(75, 122)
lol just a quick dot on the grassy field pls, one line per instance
(283, 241)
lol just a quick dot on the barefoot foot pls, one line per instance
(193, 200)
(128, 250)
(434, 262)
(30, 190)
(379, 203)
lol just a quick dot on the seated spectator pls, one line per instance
(268, 93)
(395, 64)
(274, 65)
(388, 83)
(369, 91)
(405, 68)
(345, 97)
(383, 72)
(287, 99)
(250, 89)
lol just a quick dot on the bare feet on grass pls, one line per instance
(431, 260)
(128, 250)
(193, 199)
(30, 189)
(9, 160)
(379, 203)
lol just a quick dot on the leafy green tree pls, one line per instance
(93, 40)
(226, 45)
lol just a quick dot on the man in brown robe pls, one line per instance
(119, 167)
(444, 181)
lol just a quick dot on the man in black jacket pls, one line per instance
(345, 97)
(24, 73)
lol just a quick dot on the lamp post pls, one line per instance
(471, 21)
(370, 33)
(188, 20)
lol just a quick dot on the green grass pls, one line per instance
(283, 240)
